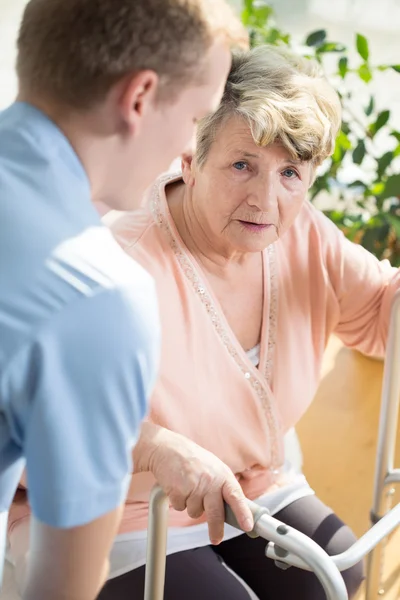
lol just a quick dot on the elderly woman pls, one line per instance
(252, 280)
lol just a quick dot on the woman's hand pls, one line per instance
(193, 478)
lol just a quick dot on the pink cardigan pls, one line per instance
(316, 283)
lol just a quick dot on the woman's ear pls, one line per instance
(138, 96)
(187, 169)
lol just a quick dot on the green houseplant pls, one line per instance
(366, 207)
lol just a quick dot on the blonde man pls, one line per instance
(109, 94)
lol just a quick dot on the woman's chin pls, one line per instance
(257, 242)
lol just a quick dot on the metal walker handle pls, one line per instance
(363, 546)
(288, 539)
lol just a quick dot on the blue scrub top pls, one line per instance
(79, 332)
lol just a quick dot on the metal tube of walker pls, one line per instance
(358, 550)
(292, 541)
(156, 545)
(384, 472)
(265, 526)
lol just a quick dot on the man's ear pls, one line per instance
(138, 95)
(187, 163)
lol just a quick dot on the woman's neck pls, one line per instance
(214, 255)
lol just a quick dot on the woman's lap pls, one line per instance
(201, 575)
(194, 574)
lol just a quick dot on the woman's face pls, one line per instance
(246, 195)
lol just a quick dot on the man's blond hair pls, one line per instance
(284, 98)
(74, 51)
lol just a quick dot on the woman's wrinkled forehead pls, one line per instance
(234, 133)
(234, 138)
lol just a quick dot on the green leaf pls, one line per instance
(359, 152)
(262, 14)
(316, 38)
(284, 38)
(377, 189)
(375, 237)
(330, 47)
(253, 38)
(336, 216)
(365, 73)
(343, 140)
(256, 14)
(382, 119)
(343, 66)
(392, 187)
(275, 35)
(368, 110)
(396, 151)
(345, 127)
(321, 183)
(343, 144)
(362, 46)
(245, 17)
(383, 162)
(247, 12)
(396, 134)
(396, 68)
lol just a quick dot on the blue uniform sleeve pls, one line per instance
(91, 370)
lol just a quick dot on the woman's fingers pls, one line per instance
(196, 479)
(195, 506)
(215, 513)
(177, 500)
(233, 495)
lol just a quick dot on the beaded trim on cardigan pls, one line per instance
(262, 391)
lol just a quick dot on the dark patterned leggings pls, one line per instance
(200, 574)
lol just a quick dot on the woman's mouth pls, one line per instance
(255, 227)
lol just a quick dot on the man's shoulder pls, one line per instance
(85, 276)
(98, 259)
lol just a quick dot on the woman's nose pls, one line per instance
(265, 195)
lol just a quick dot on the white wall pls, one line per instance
(10, 14)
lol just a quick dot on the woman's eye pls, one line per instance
(290, 173)
(240, 165)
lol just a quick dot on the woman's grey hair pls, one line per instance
(285, 98)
